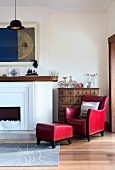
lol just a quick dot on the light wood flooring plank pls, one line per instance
(98, 154)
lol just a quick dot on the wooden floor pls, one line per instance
(98, 154)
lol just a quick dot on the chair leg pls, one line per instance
(102, 133)
(38, 141)
(53, 144)
(69, 140)
(88, 138)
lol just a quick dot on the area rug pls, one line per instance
(28, 154)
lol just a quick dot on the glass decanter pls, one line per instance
(72, 83)
(63, 83)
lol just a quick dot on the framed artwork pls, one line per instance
(19, 47)
(13, 72)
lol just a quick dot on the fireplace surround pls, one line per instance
(16, 106)
(34, 100)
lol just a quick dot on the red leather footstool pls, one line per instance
(53, 132)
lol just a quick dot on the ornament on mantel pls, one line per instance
(31, 72)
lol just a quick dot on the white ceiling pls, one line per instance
(100, 5)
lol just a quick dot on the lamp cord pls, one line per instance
(15, 9)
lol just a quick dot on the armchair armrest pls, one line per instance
(95, 120)
(71, 112)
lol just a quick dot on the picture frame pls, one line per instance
(13, 72)
(37, 45)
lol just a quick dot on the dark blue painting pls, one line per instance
(17, 46)
(8, 45)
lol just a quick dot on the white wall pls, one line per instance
(111, 20)
(73, 43)
(77, 46)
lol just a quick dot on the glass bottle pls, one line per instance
(65, 84)
(70, 83)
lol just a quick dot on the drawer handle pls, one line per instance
(78, 92)
(62, 100)
(70, 93)
(62, 92)
(78, 101)
(70, 100)
(94, 92)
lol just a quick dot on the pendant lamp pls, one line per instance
(15, 24)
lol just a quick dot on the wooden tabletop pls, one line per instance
(29, 78)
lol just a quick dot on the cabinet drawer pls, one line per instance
(62, 92)
(61, 117)
(78, 92)
(94, 92)
(86, 92)
(77, 100)
(62, 99)
(70, 92)
(61, 107)
(70, 100)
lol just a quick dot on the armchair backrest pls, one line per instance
(102, 99)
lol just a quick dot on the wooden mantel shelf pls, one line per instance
(29, 78)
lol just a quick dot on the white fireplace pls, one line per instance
(20, 95)
(34, 100)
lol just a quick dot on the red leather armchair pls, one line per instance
(95, 120)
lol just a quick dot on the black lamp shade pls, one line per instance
(15, 25)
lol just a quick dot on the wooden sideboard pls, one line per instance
(72, 97)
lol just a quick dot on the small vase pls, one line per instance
(65, 84)
(70, 83)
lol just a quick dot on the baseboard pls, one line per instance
(107, 126)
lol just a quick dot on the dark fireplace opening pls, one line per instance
(10, 113)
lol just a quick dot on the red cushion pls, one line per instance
(53, 132)
(79, 125)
